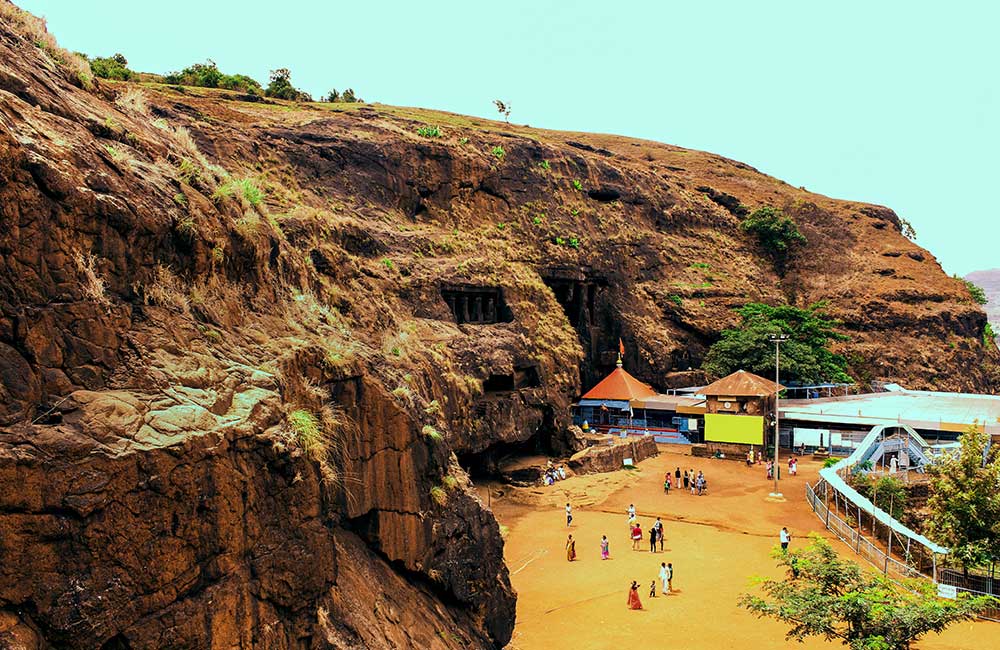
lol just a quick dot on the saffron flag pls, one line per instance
(621, 347)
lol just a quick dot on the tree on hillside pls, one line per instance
(332, 96)
(208, 75)
(776, 232)
(976, 291)
(111, 67)
(965, 501)
(282, 88)
(826, 596)
(805, 357)
(887, 493)
(349, 97)
(503, 108)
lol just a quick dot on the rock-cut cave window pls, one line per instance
(477, 305)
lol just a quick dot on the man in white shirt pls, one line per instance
(785, 538)
(569, 515)
(664, 577)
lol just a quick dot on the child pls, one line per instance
(666, 485)
(605, 548)
(652, 589)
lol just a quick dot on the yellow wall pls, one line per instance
(746, 429)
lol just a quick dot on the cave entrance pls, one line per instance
(585, 300)
(498, 460)
(519, 462)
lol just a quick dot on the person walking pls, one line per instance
(793, 466)
(633, 596)
(666, 484)
(677, 478)
(570, 549)
(569, 514)
(652, 539)
(670, 576)
(686, 479)
(636, 536)
(605, 548)
(694, 480)
(664, 577)
(784, 538)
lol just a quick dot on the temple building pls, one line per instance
(621, 404)
(738, 411)
(729, 415)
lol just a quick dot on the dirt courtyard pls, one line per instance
(716, 542)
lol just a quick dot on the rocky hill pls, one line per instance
(247, 346)
(989, 280)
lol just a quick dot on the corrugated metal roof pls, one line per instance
(921, 409)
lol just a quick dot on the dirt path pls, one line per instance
(715, 542)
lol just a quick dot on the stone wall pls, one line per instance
(609, 458)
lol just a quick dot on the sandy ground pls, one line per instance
(716, 543)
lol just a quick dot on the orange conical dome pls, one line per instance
(619, 385)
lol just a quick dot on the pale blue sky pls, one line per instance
(886, 102)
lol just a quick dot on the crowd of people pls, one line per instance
(696, 483)
(679, 479)
(757, 458)
(656, 538)
(553, 473)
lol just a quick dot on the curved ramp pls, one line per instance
(872, 444)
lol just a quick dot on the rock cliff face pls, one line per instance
(243, 345)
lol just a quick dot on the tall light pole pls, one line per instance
(777, 339)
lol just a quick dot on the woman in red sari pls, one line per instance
(633, 597)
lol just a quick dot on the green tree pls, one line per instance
(240, 82)
(886, 492)
(776, 232)
(332, 96)
(805, 357)
(829, 597)
(282, 88)
(977, 293)
(964, 502)
(208, 75)
(111, 67)
(205, 75)
(503, 108)
(349, 97)
(281, 84)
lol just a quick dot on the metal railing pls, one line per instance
(871, 549)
